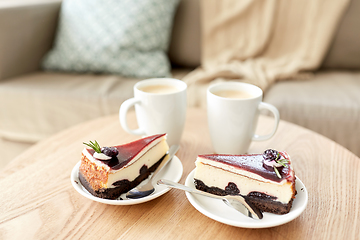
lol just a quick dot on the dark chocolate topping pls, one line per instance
(252, 163)
(128, 151)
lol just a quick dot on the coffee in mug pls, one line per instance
(159, 89)
(233, 109)
(160, 107)
(236, 94)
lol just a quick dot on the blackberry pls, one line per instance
(232, 189)
(110, 151)
(271, 155)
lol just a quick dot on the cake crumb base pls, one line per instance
(261, 201)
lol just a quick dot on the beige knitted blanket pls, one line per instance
(262, 41)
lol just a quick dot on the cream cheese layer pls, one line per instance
(213, 175)
(132, 171)
(243, 171)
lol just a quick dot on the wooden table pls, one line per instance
(38, 201)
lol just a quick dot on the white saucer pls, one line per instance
(217, 210)
(172, 171)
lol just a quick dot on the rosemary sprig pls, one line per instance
(277, 172)
(278, 156)
(94, 145)
(280, 161)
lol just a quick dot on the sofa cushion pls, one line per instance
(344, 52)
(122, 37)
(27, 31)
(185, 47)
(41, 104)
(328, 104)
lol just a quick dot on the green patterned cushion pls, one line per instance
(126, 37)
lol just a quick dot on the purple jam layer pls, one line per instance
(128, 151)
(252, 163)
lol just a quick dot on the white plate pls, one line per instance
(217, 210)
(172, 171)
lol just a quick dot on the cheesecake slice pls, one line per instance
(268, 183)
(108, 172)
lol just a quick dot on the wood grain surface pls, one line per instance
(37, 200)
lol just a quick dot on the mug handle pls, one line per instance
(276, 114)
(124, 108)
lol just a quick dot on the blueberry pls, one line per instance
(110, 151)
(271, 155)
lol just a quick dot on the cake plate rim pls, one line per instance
(216, 210)
(172, 171)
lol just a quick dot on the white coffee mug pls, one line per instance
(160, 106)
(233, 109)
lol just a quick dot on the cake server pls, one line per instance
(237, 202)
(148, 188)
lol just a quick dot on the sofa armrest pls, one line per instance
(27, 31)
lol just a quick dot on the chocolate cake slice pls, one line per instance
(108, 172)
(266, 180)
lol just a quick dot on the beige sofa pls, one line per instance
(36, 104)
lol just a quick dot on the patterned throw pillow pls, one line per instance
(126, 37)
